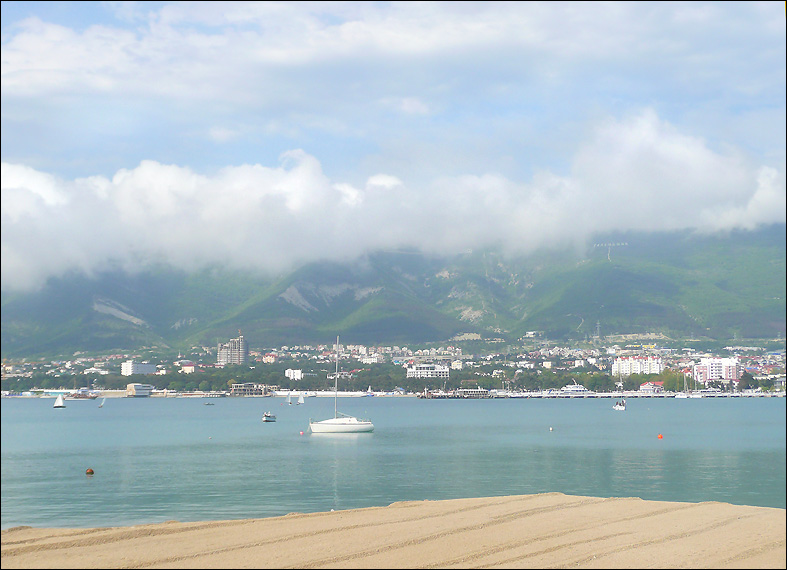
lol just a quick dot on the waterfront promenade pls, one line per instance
(429, 394)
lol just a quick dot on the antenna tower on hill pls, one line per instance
(609, 247)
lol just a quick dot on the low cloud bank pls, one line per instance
(633, 174)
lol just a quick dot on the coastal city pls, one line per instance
(626, 368)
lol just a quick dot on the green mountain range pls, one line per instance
(679, 284)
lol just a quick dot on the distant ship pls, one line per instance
(574, 389)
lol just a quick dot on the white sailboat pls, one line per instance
(101, 405)
(300, 399)
(289, 399)
(60, 401)
(620, 406)
(340, 423)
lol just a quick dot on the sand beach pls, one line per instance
(549, 530)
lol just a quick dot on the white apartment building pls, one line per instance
(373, 359)
(628, 365)
(725, 369)
(294, 374)
(130, 367)
(427, 371)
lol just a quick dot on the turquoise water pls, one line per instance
(159, 459)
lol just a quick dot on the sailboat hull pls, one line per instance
(341, 425)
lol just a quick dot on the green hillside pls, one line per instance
(680, 284)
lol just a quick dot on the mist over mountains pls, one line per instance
(681, 284)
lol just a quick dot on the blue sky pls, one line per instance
(269, 134)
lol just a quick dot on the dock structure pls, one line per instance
(473, 393)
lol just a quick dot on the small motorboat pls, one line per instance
(268, 417)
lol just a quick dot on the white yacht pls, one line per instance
(340, 423)
(574, 390)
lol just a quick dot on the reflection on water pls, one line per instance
(175, 459)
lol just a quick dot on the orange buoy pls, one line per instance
(89, 471)
(661, 436)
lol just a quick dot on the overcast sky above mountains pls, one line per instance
(269, 134)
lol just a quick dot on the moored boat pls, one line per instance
(340, 423)
(83, 394)
(574, 390)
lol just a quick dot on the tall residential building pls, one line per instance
(236, 351)
(725, 369)
(628, 365)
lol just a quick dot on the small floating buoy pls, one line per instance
(301, 433)
(661, 436)
(550, 428)
(89, 471)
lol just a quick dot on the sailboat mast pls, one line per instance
(336, 380)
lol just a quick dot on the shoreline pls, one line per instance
(520, 531)
(543, 395)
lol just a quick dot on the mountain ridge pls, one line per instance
(676, 283)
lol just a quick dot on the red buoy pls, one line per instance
(89, 471)
(661, 436)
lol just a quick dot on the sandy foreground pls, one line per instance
(549, 530)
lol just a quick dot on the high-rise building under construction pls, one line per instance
(236, 351)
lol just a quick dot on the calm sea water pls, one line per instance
(159, 459)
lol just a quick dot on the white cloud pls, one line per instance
(412, 106)
(383, 181)
(222, 135)
(25, 190)
(635, 174)
(445, 126)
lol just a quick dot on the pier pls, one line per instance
(464, 394)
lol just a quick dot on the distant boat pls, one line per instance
(620, 406)
(209, 404)
(289, 398)
(60, 402)
(574, 389)
(300, 399)
(101, 405)
(83, 394)
(268, 417)
(340, 423)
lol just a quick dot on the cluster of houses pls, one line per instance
(618, 361)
